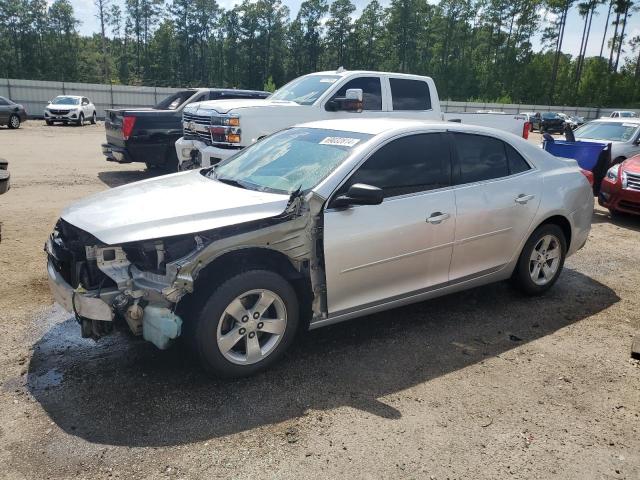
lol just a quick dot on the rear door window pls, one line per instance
(517, 164)
(409, 94)
(415, 163)
(479, 158)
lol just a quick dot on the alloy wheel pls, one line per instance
(545, 260)
(15, 121)
(251, 327)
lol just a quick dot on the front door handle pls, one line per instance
(522, 198)
(437, 217)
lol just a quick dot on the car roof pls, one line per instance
(618, 120)
(345, 73)
(391, 126)
(373, 126)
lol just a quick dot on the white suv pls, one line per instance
(70, 109)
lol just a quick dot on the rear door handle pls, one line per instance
(522, 198)
(437, 217)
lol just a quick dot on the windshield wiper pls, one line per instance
(231, 181)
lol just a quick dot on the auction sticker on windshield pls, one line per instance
(340, 141)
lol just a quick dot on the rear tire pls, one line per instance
(14, 121)
(541, 260)
(170, 164)
(615, 214)
(242, 344)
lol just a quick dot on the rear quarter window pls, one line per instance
(409, 94)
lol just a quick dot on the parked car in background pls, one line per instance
(534, 119)
(624, 136)
(550, 122)
(148, 135)
(623, 114)
(313, 225)
(214, 130)
(4, 176)
(70, 109)
(11, 113)
(620, 189)
(573, 121)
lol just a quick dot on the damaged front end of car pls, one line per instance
(138, 285)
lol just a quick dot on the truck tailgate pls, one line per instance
(113, 127)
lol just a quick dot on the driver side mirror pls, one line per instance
(359, 194)
(351, 102)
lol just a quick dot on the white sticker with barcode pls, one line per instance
(340, 141)
(328, 80)
(629, 125)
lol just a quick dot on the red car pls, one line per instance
(620, 188)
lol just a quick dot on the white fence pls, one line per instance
(34, 95)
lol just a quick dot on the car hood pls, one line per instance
(225, 106)
(632, 164)
(62, 107)
(185, 202)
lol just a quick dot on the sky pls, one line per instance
(85, 12)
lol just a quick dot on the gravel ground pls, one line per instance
(481, 384)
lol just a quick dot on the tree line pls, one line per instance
(474, 49)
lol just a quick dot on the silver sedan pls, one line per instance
(314, 225)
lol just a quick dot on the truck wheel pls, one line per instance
(93, 118)
(171, 163)
(81, 120)
(246, 324)
(541, 260)
(14, 121)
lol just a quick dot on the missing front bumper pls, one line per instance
(84, 305)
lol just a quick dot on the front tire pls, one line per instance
(541, 260)
(81, 120)
(93, 118)
(14, 121)
(246, 324)
(49, 122)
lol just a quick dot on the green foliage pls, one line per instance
(474, 49)
(269, 86)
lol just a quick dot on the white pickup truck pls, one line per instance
(215, 130)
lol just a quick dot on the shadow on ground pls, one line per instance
(624, 220)
(125, 392)
(117, 178)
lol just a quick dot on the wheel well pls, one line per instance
(564, 225)
(237, 261)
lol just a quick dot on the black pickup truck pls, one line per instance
(148, 135)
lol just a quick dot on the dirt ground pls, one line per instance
(484, 384)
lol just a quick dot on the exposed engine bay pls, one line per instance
(140, 284)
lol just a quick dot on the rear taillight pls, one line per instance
(525, 130)
(589, 175)
(127, 127)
